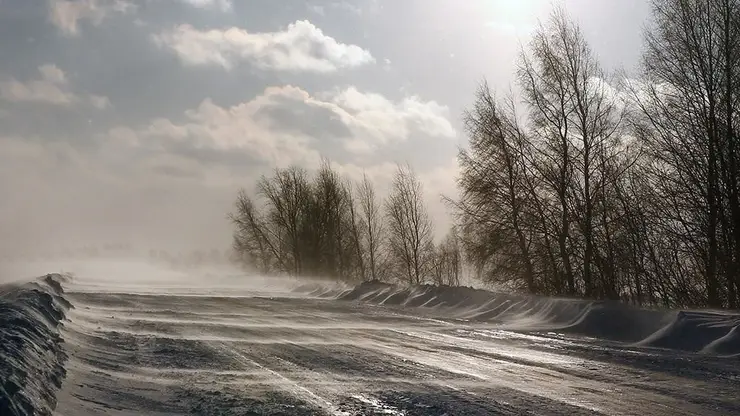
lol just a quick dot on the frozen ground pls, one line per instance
(220, 346)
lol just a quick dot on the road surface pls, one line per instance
(141, 349)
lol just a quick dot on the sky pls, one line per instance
(138, 120)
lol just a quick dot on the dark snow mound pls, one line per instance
(697, 331)
(32, 356)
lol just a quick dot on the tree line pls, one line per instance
(324, 225)
(615, 189)
(585, 183)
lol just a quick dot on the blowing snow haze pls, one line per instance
(369, 207)
(137, 121)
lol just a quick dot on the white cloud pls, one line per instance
(375, 120)
(99, 101)
(287, 125)
(66, 14)
(53, 74)
(51, 87)
(210, 127)
(218, 146)
(223, 5)
(299, 47)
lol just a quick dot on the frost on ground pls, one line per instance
(225, 346)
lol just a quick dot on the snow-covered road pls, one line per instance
(173, 351)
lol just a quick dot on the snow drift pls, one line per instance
(32, 356)
(696, 331)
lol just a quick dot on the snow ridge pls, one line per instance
(32, 355)
(705, 332)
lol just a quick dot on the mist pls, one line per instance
(55, 204)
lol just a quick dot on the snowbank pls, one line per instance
(31, 350)
(697, 331)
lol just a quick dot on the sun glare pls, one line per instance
(515, 15)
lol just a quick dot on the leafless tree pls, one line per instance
(372, 222)
(576, 120)
(493, 192)
(447, 263)
(409, 227)
(574, 191)
(287, 192)
(252, 236)
(357, 230)
(689, 102)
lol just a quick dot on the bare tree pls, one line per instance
(331, 212)
(305, 226)
(357, 230)
(447, 264)
(494, 193)
(542, 77)
(409, 227)
(689, 106)
(252, 237)
(372, 222)
(287, 193)
(576, 120)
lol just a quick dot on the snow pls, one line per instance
(703, 332)
(32, 364)
(129, 338)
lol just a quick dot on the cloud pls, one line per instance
(361, 121)
(100, 102)
(286, 125)
(52, 87)
(376, 120)
(217, 135)
(299, 47)
(66, 14)
(222, 5)
(53, 74)
(355, 7)
(154, 180)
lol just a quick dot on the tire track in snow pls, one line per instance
(294, 387)
(340, 358)
(544, 382)
(336, 387)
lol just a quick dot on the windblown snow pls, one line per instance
(703, 332)
(32, 356)
(121, 343)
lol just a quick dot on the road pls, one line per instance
(142, 349)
